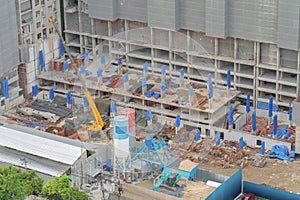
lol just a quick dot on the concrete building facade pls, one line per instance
(9, 54)
(36, 34)
(257, 40)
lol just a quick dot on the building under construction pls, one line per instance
(157, 86)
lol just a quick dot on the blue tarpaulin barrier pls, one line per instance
(230, 116)
(197, 136)
(88, 73)
(163, 70)
(112, 107)
(86, 56)
(163, 85)
(102, 59)
(82, 69)
(51, 94)
(85, 102)
(280, 152)
(265, 106)
(149, 114)
(290, 113)
(218, 139)
(275, 118)
(228, 79)
(5, 88)
(126, 78)
(35, 90)
(145, 67)
(281, 132)
(248, 103)
(99, 72)
(270, 113)
(254, 121)
(66, 66)
(34, 124)
(61, 48)
(191, 91)
(241, 143)
(149, 93)
(41, 60)
(156, 95)
(69, 98)
(119, 61)
(177, 121)
(181, 73)
(262, 148)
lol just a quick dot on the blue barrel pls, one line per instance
(148, 141)
(121, 127)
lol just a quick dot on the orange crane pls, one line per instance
(98, 124)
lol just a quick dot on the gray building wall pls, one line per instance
(288, 24)
(192, 15)
(270, 21)
(103, 9)
(162, 14)
(135, 10)
(9, 53)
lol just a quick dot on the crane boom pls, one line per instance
(98, 124)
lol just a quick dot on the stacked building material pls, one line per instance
(261, 126)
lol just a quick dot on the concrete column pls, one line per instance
(188, 39)
(298, 76)
(297, 142)
(126, 44)
(277, 74)
(6, 102)
(188, 67)
(93, 39)
(170, 53)
(256, 71)
(152, 49)
(216, 61)
(80, 27)
(235, 56)
(109, 27)
(254, 67)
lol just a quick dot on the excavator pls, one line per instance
(99, 123)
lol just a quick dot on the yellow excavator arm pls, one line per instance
(98, 124)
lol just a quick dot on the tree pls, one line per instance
(58, 188)
(15, 184)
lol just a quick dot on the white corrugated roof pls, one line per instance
(39, 146)
(38, 164)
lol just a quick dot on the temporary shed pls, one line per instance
(37, 152)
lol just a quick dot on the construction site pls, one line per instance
(155, 99)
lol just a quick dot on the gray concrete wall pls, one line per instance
(135, 10)
(271, 21)
(9, 52)
(288, 24)
(162, 14)
(103, 9)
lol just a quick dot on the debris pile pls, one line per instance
(229, 155)
(285, 133)
(180, 144)
(261, 126)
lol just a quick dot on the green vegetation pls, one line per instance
(59, 189)
(16, 185)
